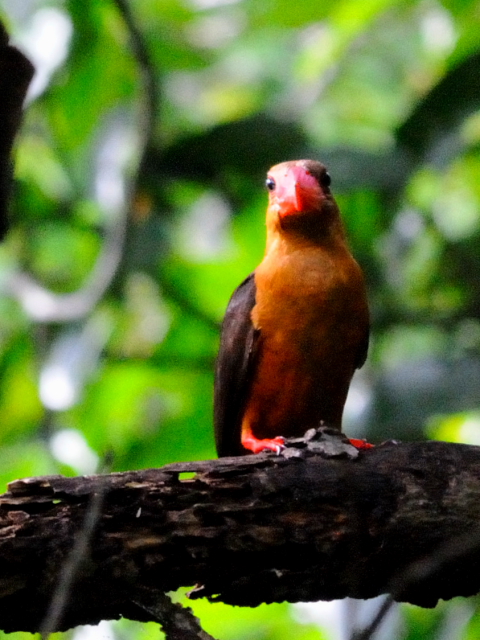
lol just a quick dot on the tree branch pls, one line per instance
(321, 521)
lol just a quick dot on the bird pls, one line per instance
(296, 329)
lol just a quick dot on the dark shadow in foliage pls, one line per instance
(248, 147)
(430, 134)
(15, 75)
(244, 149)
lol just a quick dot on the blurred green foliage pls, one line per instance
(108, 344)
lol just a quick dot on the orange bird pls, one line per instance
(297, 328)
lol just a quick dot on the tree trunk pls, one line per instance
(321, 521)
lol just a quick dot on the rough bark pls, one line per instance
(322, 521)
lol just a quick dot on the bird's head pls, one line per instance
(300, 196)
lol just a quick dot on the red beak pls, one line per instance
(298, 191)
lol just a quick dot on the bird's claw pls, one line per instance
(267, 444)
(360, 444)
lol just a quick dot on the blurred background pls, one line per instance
(139, 203)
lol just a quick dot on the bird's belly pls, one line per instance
(293, 391)
(306, 359)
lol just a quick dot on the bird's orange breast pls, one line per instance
(312, 314)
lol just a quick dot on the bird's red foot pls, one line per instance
(360, 444)
(270, 444)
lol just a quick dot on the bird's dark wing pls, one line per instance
(235, 361)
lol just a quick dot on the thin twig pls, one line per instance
(449, 551)
(152, 93)
(178, 623)
(367, 632)
(71, 566)
(147, 68)
(42, 304)
(188, 305)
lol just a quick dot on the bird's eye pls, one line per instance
(270, 184)
(326, 179)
